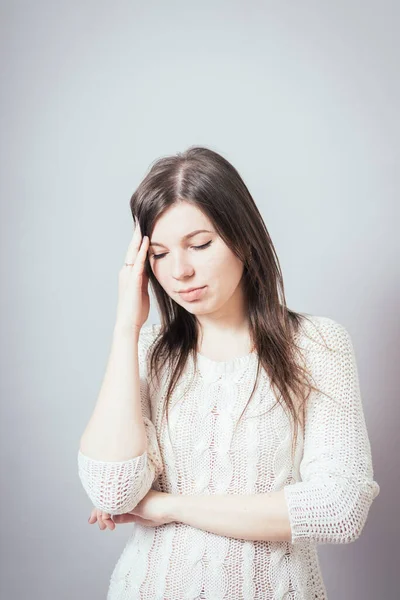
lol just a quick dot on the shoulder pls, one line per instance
(324, 334)
(331, 359)
(149, 333)
(147, 336)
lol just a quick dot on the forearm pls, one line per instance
(248, 517)
(116, 431)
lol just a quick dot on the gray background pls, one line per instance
(302, 97)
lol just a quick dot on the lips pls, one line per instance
(190, 289)
(193, 294)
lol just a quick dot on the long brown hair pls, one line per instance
(204, 178)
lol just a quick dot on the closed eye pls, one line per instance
(158, 256)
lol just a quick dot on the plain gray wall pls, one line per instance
(302, 97)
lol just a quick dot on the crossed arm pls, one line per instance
(247, 517)
(328, 503)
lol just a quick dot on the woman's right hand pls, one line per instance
(106, 521)
(133, 295)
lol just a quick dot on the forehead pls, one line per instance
(179, 220)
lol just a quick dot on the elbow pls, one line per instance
(348, 530)
(350, 527)
(329, 514)
(116, 487)
(127, 498)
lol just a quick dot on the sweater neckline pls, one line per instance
(225, 366)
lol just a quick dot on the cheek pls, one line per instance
(224, 272)
(224, 263)
(160, 272)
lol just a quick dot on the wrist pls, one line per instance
(124, 331)
(172, 506)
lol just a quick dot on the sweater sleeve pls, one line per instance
(116, 487)
(330, 503)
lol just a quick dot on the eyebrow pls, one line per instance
(185, 237)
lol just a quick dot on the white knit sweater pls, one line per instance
(328, 490)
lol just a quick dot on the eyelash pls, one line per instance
(158, 256)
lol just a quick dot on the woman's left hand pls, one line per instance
(151, 511)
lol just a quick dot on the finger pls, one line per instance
(134, 246)
(141, 256)
(100, 520)
(101, 524)
(104, 520)
(93, 516)
(107, 521)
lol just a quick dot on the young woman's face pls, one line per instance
(179, 263)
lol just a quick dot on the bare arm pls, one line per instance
(256, 517)
(119, 456)
(116, 429)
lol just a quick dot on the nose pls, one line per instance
(181, 268)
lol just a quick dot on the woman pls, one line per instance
(232, 434)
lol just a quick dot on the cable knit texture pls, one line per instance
(328, 489)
